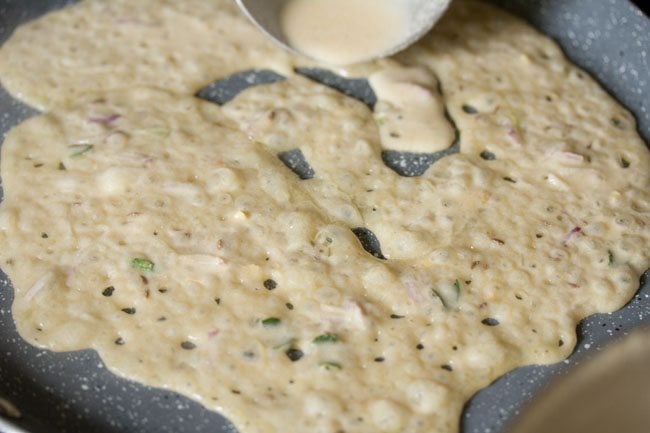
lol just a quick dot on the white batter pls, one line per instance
(410, 110)
(340, 32)
(163, 232)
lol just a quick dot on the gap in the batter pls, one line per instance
(296, 162)
(225, 89)
(410, 164)
(357, 88)
(369, 241)
(405, 164)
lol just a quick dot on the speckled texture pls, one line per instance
(73, 392)
(608, 38)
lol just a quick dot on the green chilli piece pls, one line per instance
(328, 338)
(271, 322)
(457, 288)
(142, 264)
(610, 257)
(77, 150)
(329, 365)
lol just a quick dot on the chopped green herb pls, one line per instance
(457, 288)
(329, 365)
(381, 120)
(271, 322)
(610, 257)
(142, 264)
(79, 149)
(326, 339)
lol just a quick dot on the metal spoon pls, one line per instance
(422, 16)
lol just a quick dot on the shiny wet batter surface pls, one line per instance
(247, 286)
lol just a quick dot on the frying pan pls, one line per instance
(73, 392)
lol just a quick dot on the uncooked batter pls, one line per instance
(340, 32)
(164, 232)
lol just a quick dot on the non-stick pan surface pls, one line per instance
(73, 392)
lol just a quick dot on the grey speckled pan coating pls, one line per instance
(73, 392)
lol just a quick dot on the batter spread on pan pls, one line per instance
(164, 231)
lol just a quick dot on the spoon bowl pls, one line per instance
(420, 17)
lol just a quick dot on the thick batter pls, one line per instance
(344, 31)
(112, 44)
(164, 232)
